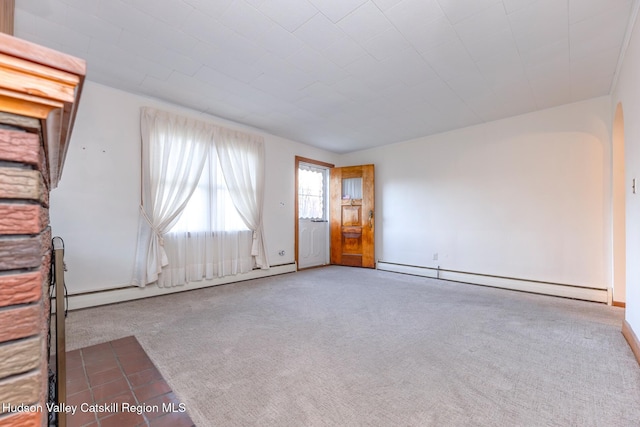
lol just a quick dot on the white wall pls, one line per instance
(526, 197)
(95, 207)
(627, 92)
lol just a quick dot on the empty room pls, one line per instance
(319, 213)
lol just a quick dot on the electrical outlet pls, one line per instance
(435, 256)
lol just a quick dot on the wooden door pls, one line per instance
(352, 216)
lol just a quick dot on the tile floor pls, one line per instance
(119, 386)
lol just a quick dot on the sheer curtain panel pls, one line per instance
(210, 240)
(242, 161)
(174, 151)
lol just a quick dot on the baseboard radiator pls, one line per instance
(546, 288)
(129, 293)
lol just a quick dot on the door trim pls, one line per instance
(295, 200)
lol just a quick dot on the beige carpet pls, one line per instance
(353, 347)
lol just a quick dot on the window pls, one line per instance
(210, 208)
(202, 197)
(312, 192)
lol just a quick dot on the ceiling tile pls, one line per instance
(170, 12)
(457, 10)
(589, 87)
(422, 23)
(71, 41)
(551, 90)
(91, 25)
(140, 46)
(526, 24)
(279, 41)
(108, 73)
(600, 63)
(490, 21)
(386, 4)
(246, 20)
(213, 8)
(494, 45)
(580, 10)
(108, 53)
(355, 89)
(344, 51)
(450, 59)
(316, 66)
(511, 6)
(548, 69)
(364, 23)
(410, 68)
(386, 44)
(290, 14)
(296, 77)
(598, 32)
(277, 87)
(318, 32)
(125, 16)
(87, 6)
(471, 85)
(335, 10)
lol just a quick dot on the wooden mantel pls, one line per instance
(42, 84)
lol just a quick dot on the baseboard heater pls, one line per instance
(129, 293)
(546, 288)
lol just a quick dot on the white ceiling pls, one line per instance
(343, 75)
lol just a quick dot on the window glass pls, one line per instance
(352, 188)
(311, 193)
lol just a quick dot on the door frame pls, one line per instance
(299, 160)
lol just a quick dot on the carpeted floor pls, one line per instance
(340, 346)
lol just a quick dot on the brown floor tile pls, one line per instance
(80, 398)
(149, 391)
(122, 419)
(92, 361)
(107, 390)
(119, 372)
(126, 396)
(174, 419)
(104, 365)
(75, 372)
(95, 379)
(81, 419)
(73, 357)
(168, 400)
(123, 342)
(96, 349)
(131, 366)
(129, 349)
(76, 386)
(144, 377)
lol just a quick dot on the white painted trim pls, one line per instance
(112, 296)
(554, 289)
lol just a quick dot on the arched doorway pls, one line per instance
(618, 208)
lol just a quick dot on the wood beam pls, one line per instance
(7, 8)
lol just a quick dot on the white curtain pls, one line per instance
(242, 161)
(174, 150)
(210, 239)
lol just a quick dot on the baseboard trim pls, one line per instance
(546, 288)
(130, 293)
(632, 339)
(619, 304)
